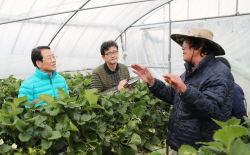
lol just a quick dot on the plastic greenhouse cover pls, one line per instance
(77, 43)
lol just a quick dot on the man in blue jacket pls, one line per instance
(238, 109)
(45, 80)
(204, 91)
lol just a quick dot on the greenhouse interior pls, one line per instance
(75, 30)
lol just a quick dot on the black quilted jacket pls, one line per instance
(209, 95)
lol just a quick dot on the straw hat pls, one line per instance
(199, 33)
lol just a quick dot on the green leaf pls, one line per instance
(214, 143)
(228, 133)
(91, 137)
(46, 144)
(5, 148)
(62, 94)
(131, 124)
(35, 102)
(7, 108)
(133, 147)
(102, 127)
(55, 135)
(139, 112)
(54, 104)
(154, 140)
(92, 99)
(96, 106)
(47, 98)
(73, 127)
(72, 99)
(232, 121)
(186, 149)
(66, 134)
(125, 117)
(24, 137)
(115, 100)
(109, 112)
(149, 146)
(61, 102)
(125, 151)
(143, 93)
(238, 148)
(210, 150)
(79, 146)
(17, 101)
(47, 132)
(101, 135)
(62, 119)
(29, 104)
(21, 125)
(135, 139)
(85, 117)
(51, 110)
(59, 127)
(122, 109)
(28, 116)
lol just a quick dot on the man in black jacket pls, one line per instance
(238, 110)
(204, 91)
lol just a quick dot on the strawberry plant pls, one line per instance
(86, 123)
(9, 89)
(231, 139)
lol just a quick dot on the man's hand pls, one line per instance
(144, 74)
(121, 84)
(177, 82)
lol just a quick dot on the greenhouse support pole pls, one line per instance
(169, 59)
(237, 7)
(169, 55)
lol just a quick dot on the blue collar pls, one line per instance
(43, 75)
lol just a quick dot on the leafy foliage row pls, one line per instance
(231, 139)
(86, 123)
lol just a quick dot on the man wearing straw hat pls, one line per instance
(204, 91)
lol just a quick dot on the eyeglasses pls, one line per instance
(184, 44)
(112, 53)
(51, 58)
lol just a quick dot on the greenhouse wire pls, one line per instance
(64, 12)
(153, 67)
(142, 17)
(71, 16)
(245, 14)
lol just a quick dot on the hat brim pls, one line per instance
(179, 39)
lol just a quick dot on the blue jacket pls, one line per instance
(239, 109)
(209, 95)
(41, 83)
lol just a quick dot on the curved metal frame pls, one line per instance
(142, 17)
(104, 6)
(66, 22)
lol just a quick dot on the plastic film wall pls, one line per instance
(147, 42)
